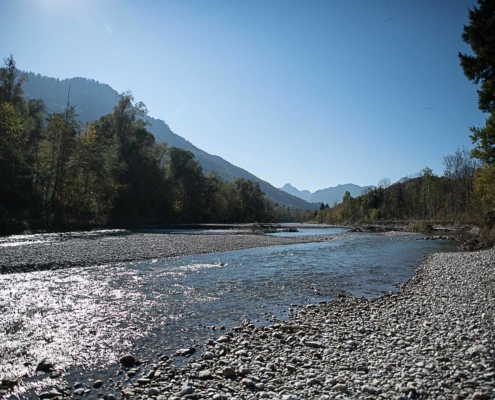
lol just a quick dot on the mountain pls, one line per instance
(327, 196)
(303, 194)
(94, 99)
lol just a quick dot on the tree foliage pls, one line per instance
(11, 80)
(484, 140)
(480, 69)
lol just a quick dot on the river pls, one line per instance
(84, 319)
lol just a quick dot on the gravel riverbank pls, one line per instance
(87, 251)
(435, 339)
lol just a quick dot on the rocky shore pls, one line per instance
(89, 251)
(435, 339)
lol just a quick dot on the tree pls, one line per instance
(137, 169)
(215, 203)
(480, 69)
(484, 140)
(480, 35)
(126, 117)
(94, 185)
(384, 183)
(188, 184)
(60, 147)
(459, 171)
(12, 129)
(247, 202)
(13, 168)
(484, 185)
(11, 80)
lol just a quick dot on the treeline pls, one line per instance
(454, 196)
(56, 172)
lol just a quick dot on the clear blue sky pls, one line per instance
(314, 93)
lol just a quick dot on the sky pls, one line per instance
(315, 93)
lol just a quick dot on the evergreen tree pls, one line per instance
(480, 35)
(480, 69)
(11, 80)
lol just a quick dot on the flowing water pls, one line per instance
(84, 319)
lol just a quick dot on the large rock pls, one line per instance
(477, 350)
(45, 366)
(6, 382)
(128, 361)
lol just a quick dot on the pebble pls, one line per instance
(247, 382)
(229, 372)
(185, 352)
(206, 374)
(50, 395)
(186, 389)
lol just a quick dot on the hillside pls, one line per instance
(94, 99)
(327, 196)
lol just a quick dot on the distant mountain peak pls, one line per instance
(288, 186)
(329, 195)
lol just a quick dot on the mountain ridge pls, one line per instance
(94, 99)
(328, 195)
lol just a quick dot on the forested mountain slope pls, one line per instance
(94, 99)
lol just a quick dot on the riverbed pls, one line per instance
(83, 319)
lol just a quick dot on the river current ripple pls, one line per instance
(84, 319)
